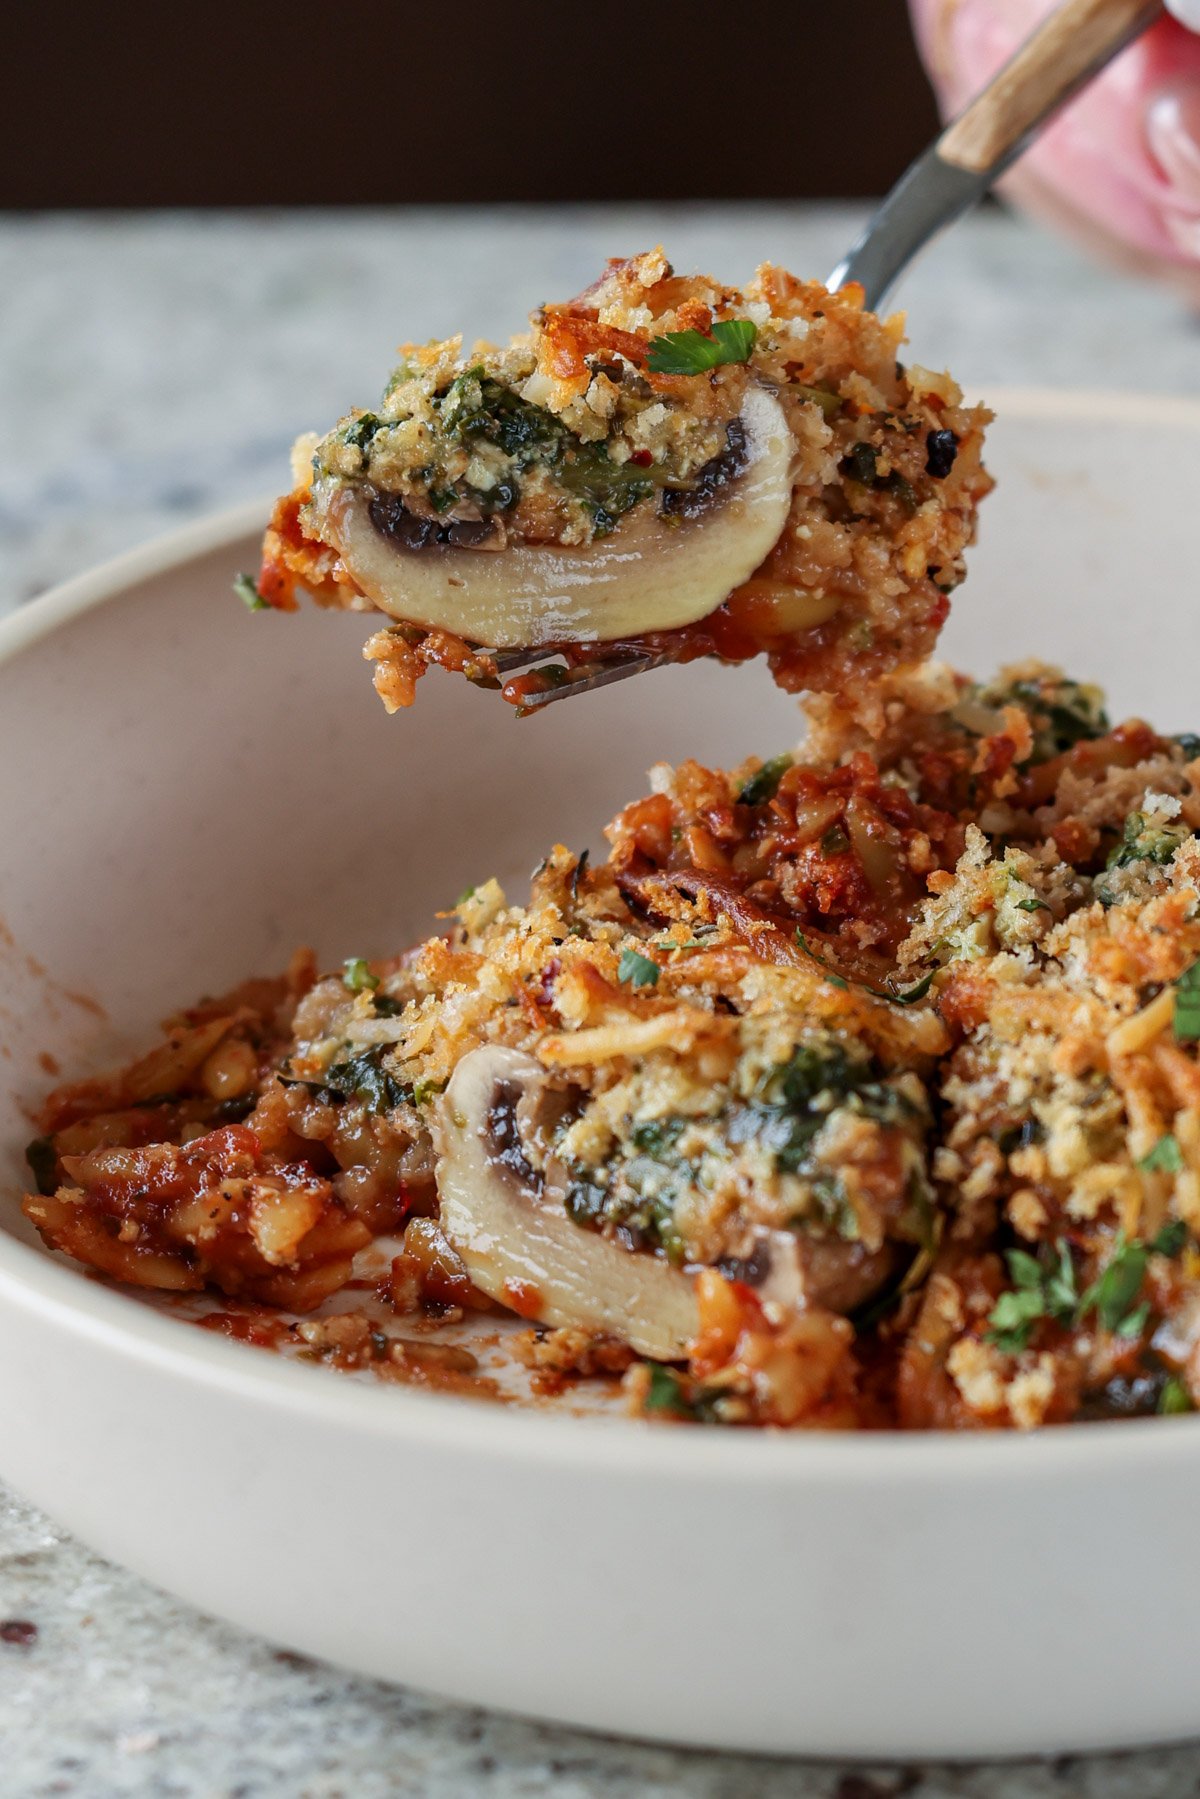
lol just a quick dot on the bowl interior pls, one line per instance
(188, 791)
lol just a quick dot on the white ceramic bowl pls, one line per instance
(186, 792)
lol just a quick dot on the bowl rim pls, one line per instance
(63, 1296)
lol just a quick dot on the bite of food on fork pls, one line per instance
(660, 469)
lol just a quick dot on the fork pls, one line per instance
(1060, 58)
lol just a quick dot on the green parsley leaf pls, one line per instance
(1134, 1323)
(1012, 1318)
(1062, 1295)
(1032, 904)
(1187, 1004)
(665, 1393)
(43, 1164)
(637, 969)
(1025, 1269)
(1174, 1398)
(357, 977)
(1038, 1292)
(424, 1091)
(1166, 1157)
(1041, 1292)
(1112, 1294)
(247, 592)
(763, 784)
(692, 353)
(1170, 1239)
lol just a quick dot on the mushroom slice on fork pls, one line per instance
(654, 571)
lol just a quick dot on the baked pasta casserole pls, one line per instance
(858, 1087)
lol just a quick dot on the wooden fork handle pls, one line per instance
(1076, 39)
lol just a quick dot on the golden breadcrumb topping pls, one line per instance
(887, 1049)
(625, 401)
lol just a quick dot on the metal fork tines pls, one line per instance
(585, 678)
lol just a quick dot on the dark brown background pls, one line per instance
(226, 105)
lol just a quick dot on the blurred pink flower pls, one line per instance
(1121, 167)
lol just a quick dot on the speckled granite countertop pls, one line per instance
(157, 368)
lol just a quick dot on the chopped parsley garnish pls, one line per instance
(247, 592)
(1170, 1239)
(1187, 1004)
(425, 1090)
(1174, 1398)
(1031, 903)
(357, 977)
(1165, 1158)
(1037, 1292)
(1113, 1293)
(694, 353)
(763, 784)
(1042, 1291)
(636, 969)
(43, 1164)
(667, 1393)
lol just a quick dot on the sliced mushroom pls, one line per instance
(516, 1239)
(793, 1270)
(797, 1269)
(650, 573)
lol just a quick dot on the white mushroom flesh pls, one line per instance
(518, 1243)
(647, 574)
